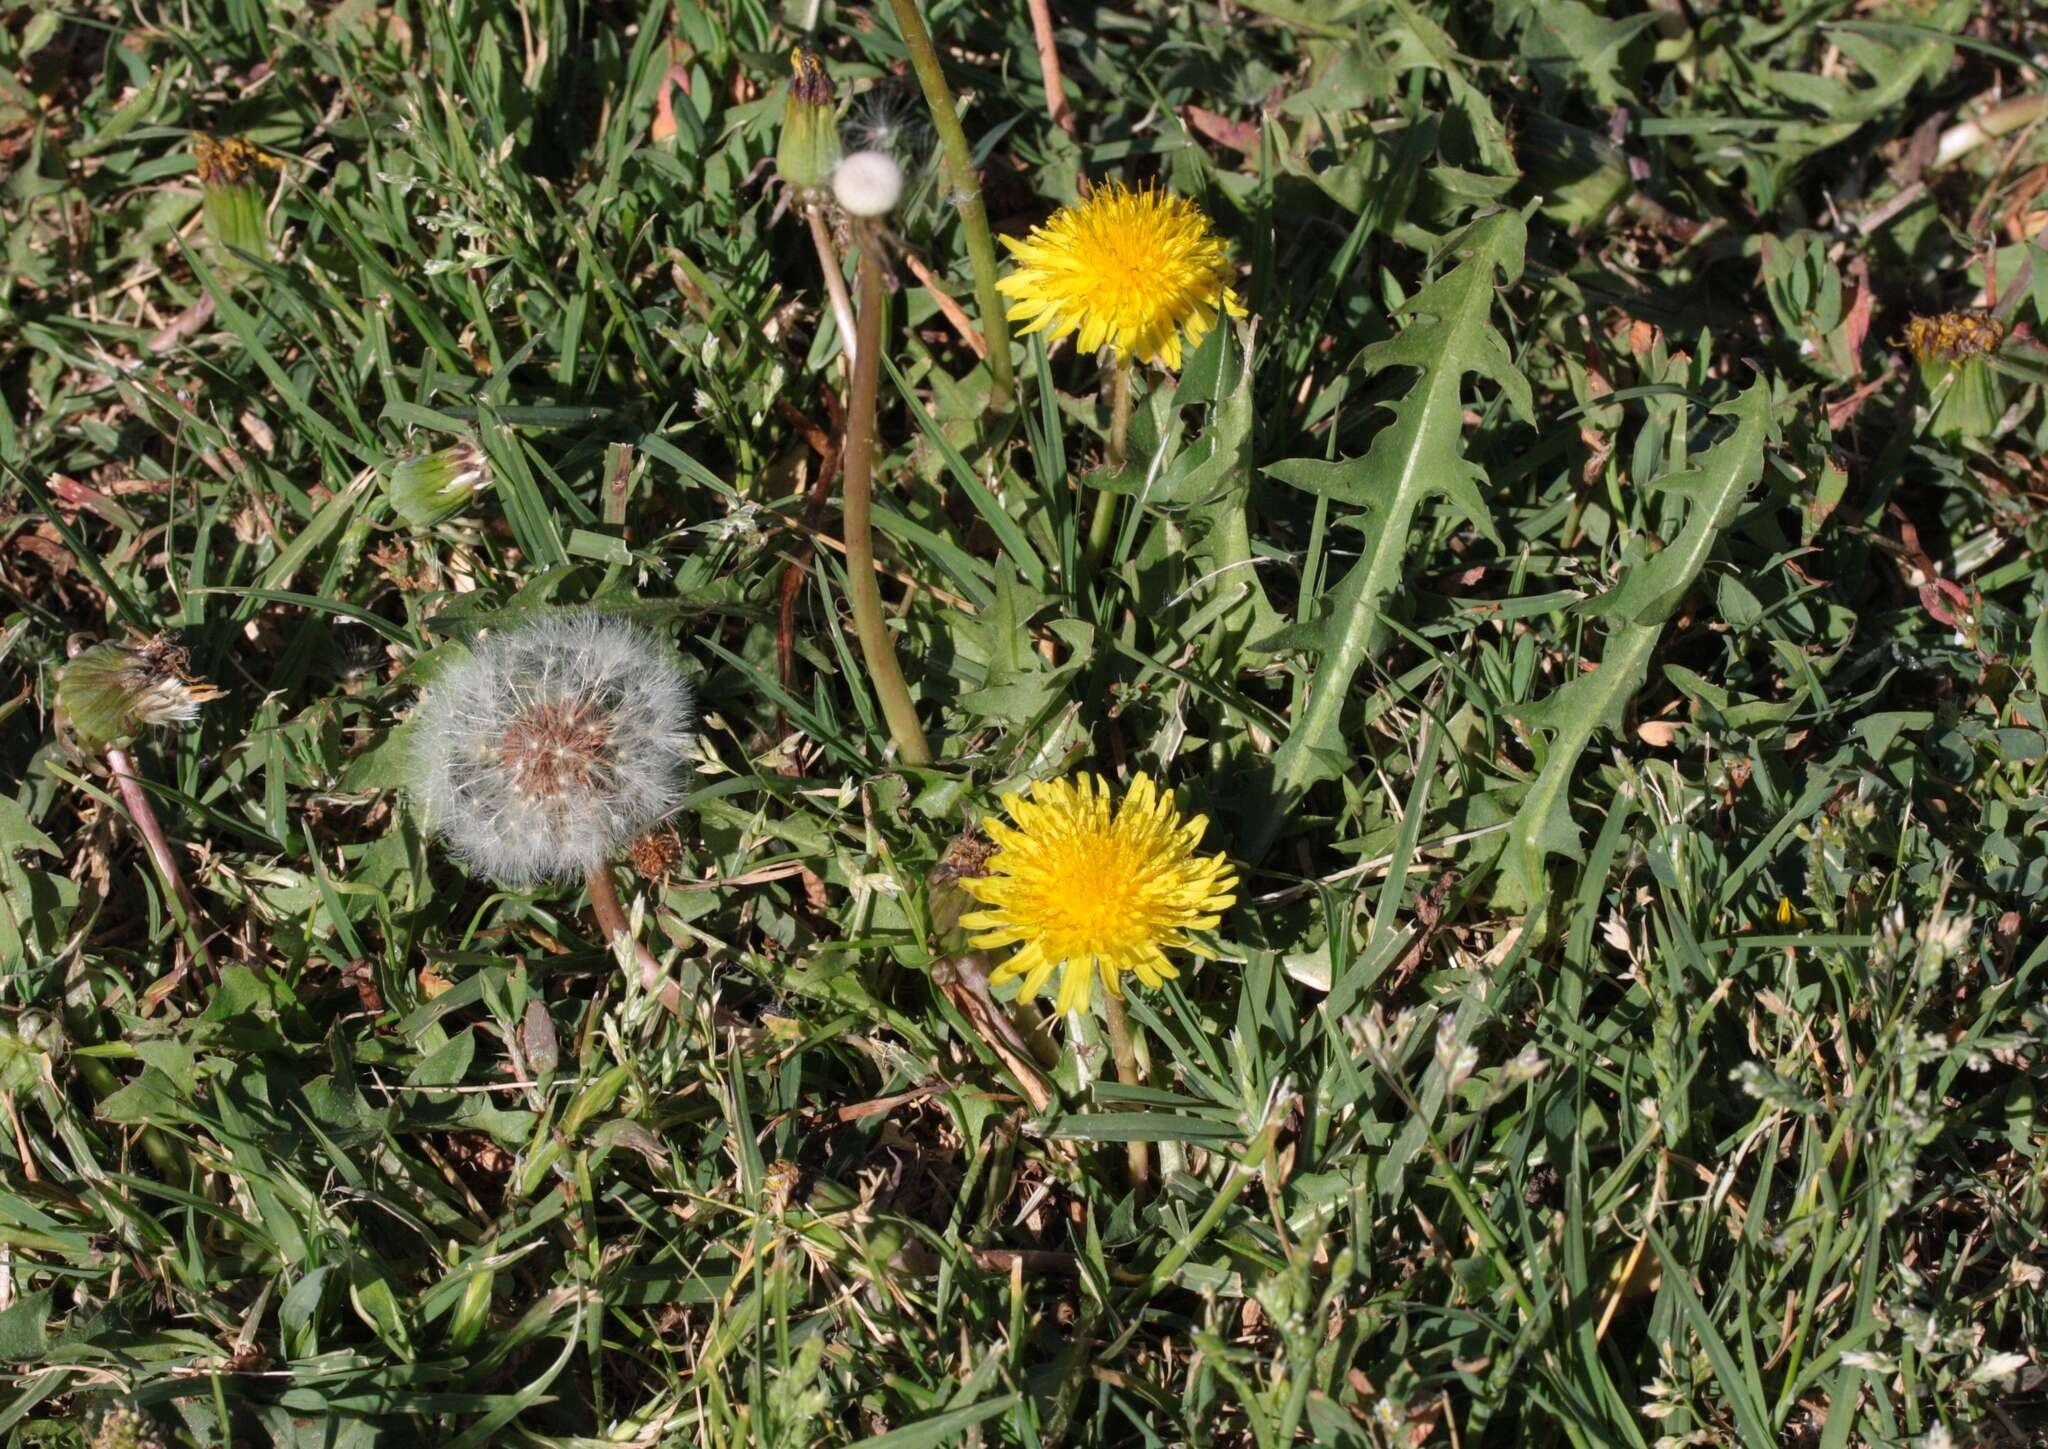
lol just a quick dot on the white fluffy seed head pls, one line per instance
(868, 183)
(551, 746)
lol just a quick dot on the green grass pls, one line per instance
(1618, 678)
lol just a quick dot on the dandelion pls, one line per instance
(808, 148)
(868, 183)
(107, 694)
(552, 746)
(232, 203)
(1087, 891)
(110, 693)
(1954, 351)
(1132, 270)
(427, 489)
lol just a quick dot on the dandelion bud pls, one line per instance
(1956, 348)
(809, 147)
(233, 202)
(427, 489)
(111, 693)
(551, 746)
(868, 183)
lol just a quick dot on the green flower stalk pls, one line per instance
(429, 488)
(107, 695)
(1954, 352)
(233, 202)
(966, 189)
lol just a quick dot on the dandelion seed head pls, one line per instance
(868, 183)
(888, 118)
(552, 746)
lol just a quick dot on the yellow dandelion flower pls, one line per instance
(1082, 889)
(1129, 269)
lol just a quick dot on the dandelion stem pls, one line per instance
(611, 919)
(1124, 1049)
(136, 799)
(863, 594)
(1103, 525)
(981, 246)
(835, 281)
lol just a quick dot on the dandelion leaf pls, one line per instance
(1448, 337)
(1636, 610)
(1216, 489)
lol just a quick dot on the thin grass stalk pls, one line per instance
(966, 185)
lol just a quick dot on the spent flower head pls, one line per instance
(1132, 270)
(552, 746)
(427, 489)
(110, 693)
(1954, 351)
(1089, 890)
(231, 201)
(808, 148)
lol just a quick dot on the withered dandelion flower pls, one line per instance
(1089, 890)
(1132, 270)
(111, 693)
(1952, 336)
(1954, 351)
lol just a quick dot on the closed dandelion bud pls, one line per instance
(1956, 349)
(809, 148)
(233, 202)
(125, 1428)
(427, 489)
(551, 746)
(111, 693)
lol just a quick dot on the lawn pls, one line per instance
(1409, 810)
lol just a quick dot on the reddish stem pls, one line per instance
(136, 799)
(611, 920)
